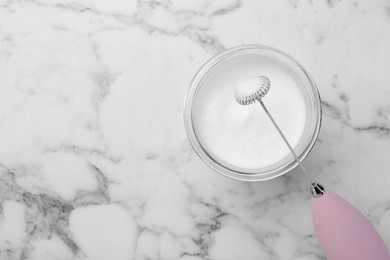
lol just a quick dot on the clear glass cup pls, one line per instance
(252, 53)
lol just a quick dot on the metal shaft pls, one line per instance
(285, 140)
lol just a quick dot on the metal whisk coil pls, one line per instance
(247, 96)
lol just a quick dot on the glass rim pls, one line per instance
(202, 151)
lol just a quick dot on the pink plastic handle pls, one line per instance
(343, 232)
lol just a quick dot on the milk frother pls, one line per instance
(343, 232)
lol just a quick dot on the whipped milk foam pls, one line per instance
(243, 136)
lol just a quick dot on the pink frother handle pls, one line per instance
(343, 232)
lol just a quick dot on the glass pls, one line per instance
(216, 69)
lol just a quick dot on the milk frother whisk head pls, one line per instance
(252, 89)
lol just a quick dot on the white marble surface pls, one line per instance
(95, 163)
